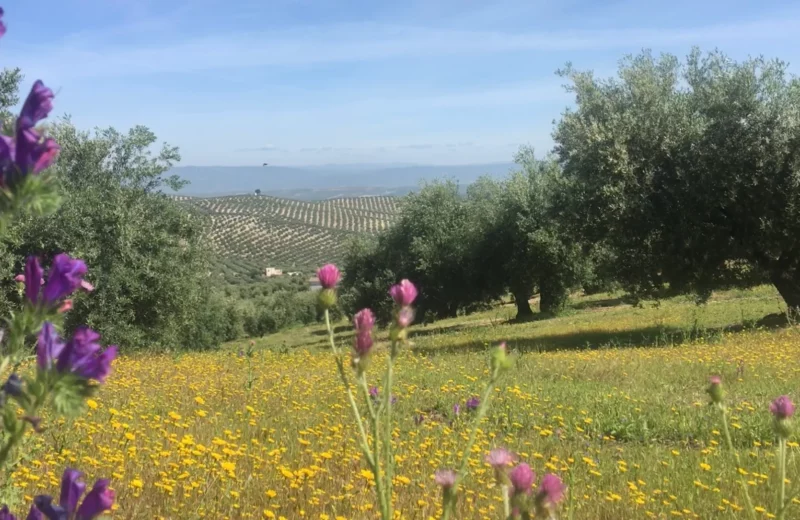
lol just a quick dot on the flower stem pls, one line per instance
(782, 468)
(363, 441)
(742, 482)
(484, 406)
(387, 439)
(506, 502)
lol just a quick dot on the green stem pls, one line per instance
(782, 467)
(742, 481)
(506, 502)
(376, 470)
(372, 459)
(387, 439)
(484, 406)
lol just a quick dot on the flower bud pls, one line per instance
(715, 390)
(782, 410)
(327, 298)
(328, 276)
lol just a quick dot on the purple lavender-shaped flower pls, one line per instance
(403, 293)
(98, 500)
(5, 514)
(473, 403)
(82, 355)
(328, 276)
(65, 277)
(29, 152)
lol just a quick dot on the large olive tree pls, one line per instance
(688, 171)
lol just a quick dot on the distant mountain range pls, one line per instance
(328, 181)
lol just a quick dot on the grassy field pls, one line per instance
(609, 396)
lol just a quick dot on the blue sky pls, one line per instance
(291, 82)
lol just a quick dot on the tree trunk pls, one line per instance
(786, 282)
(524, 310)
(552, 297)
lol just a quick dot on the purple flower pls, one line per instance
(2, 32)
(72, 489)
(98, 500)
(373, 393)
(403, 293)
(64, 277)
(522, 478)
(49, 346)
(446, 478)
(551, 491)
(782, 407)
(328, 276)
(456, 409)
(34, 514)
(5, 514)
(82, 355)
(500, 458)
(36, 107)
(32, 279)
(363, 343)
(473, 403)
(364, 320)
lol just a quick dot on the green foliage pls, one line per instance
(145, 252)
(688, 172)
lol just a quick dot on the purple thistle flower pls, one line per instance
(782, 407)
(363, 343)
(473, 403)
(364, 320)
(5, 514)
(82, 355)
(551, 491)
(328, 276)
(522, 478)
(373, 393)
(403, 293)
(446, 478)
(500, 458)
(2, 28)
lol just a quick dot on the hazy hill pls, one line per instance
(322, 182)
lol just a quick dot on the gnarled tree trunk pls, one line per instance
(524, 310)
(553, 297)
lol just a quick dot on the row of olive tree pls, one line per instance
(671, 177)
(464, 251)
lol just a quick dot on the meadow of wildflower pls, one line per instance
(609, 397)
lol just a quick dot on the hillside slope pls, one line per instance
(250, 233)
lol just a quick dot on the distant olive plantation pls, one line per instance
(250, 232)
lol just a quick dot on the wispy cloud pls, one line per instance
(364, 42)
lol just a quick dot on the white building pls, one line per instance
(272, 271)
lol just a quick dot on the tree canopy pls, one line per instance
(689, 172)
